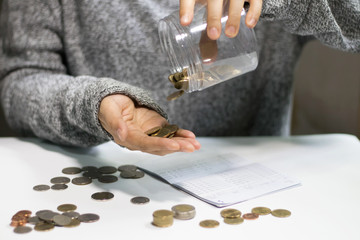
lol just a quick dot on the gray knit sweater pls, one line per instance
(58, 59)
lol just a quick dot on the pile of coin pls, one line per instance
(165, 218)
(168, 131)
(180, 80)
(46, 220)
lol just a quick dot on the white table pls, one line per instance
(326, 206)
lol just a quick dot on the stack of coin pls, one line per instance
(183, 211)
(163, 218)
(130, 171)
(231, 216)
(168, 131)
(180, 80)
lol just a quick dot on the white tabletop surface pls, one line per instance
(325, 206)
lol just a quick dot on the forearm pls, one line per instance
(335, 23)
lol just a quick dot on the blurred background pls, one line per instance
(326, 93)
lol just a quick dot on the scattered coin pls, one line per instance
(41, 212)
(34, 220)
(81, 180)
(250, 216)
(139, 174)
(71, 215)
(261, 210)
(183, 211)
(44, 226)
(59, 187)
(108, 178)
(41, 187)
(47, 216)
(281, 213)
(230, 213)
(66, 207)
(92, 174)
(88, 217)
(140, 200)
(233, 221)
(102, 196)
(60, 180)
(127, 168)
(126, 174)
(22, 229)
(107, 170)
(71, 170)
(61, 220)
(163, 218)
(209, 223)
(90, 169)
(74, 223)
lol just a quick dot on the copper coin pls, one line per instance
(107, 170)
(25, 213)
(107, 178)
(250, 216)
(81, 180)
(59, 187)
(41, 187)
(60, 180)
(71, 170)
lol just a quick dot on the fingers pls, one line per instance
(233, 22)
(214, 10)
(253, 15)
(186, 11)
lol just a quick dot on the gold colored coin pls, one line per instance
(42, 227)
(152, 130)
(74, 223)
(233, 221)
(261, 210)
(209, 223)
(175, 95)
(66, 207)
(281, 213)
(163, 218)
(163, 132)
(230, 213)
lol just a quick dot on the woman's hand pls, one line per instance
(214, 9)
(127, 123)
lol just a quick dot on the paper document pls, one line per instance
(219, 179)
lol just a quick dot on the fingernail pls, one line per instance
(213, 33)
(185, 19)
(230, 30)
(252, 22)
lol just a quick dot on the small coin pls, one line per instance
(261, 210)
(22, 229)
(107, 170)
(152, 130)
(59, 187)
(74, 223)
(230, 213)
(250, 216)
(42, 227)
(89, 169)
(140, 200)
(92, 174)
(41, 187)
(34, 220)
(209, 223)
(47, 216)
(138, 174)
(108, 178)
(126, 174)
(61, 220)
(71, 215)
(81, 180)
(66, 207)
(183, 211)
(102, 196)
(60, 180)
(233, 221)
(88, 217)
(281, 213)
(175, 95)
(71, 170)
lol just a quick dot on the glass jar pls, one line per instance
(200, 62)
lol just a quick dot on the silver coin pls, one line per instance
(72, 215)
(81, 180)
(90, 169)
(61, 220)
(107, 170)
(128, 168)
(102, 196)
(47, 216)
(41, 212)
(71, 170)
(34, 220)
(139, 174)
(41, 187)
(22, 229)
(92, 174)
(60, 180)
(127, 174)
(140, 200)
(88, 217)
(108, 179)
(59, 187)
(183, 211)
